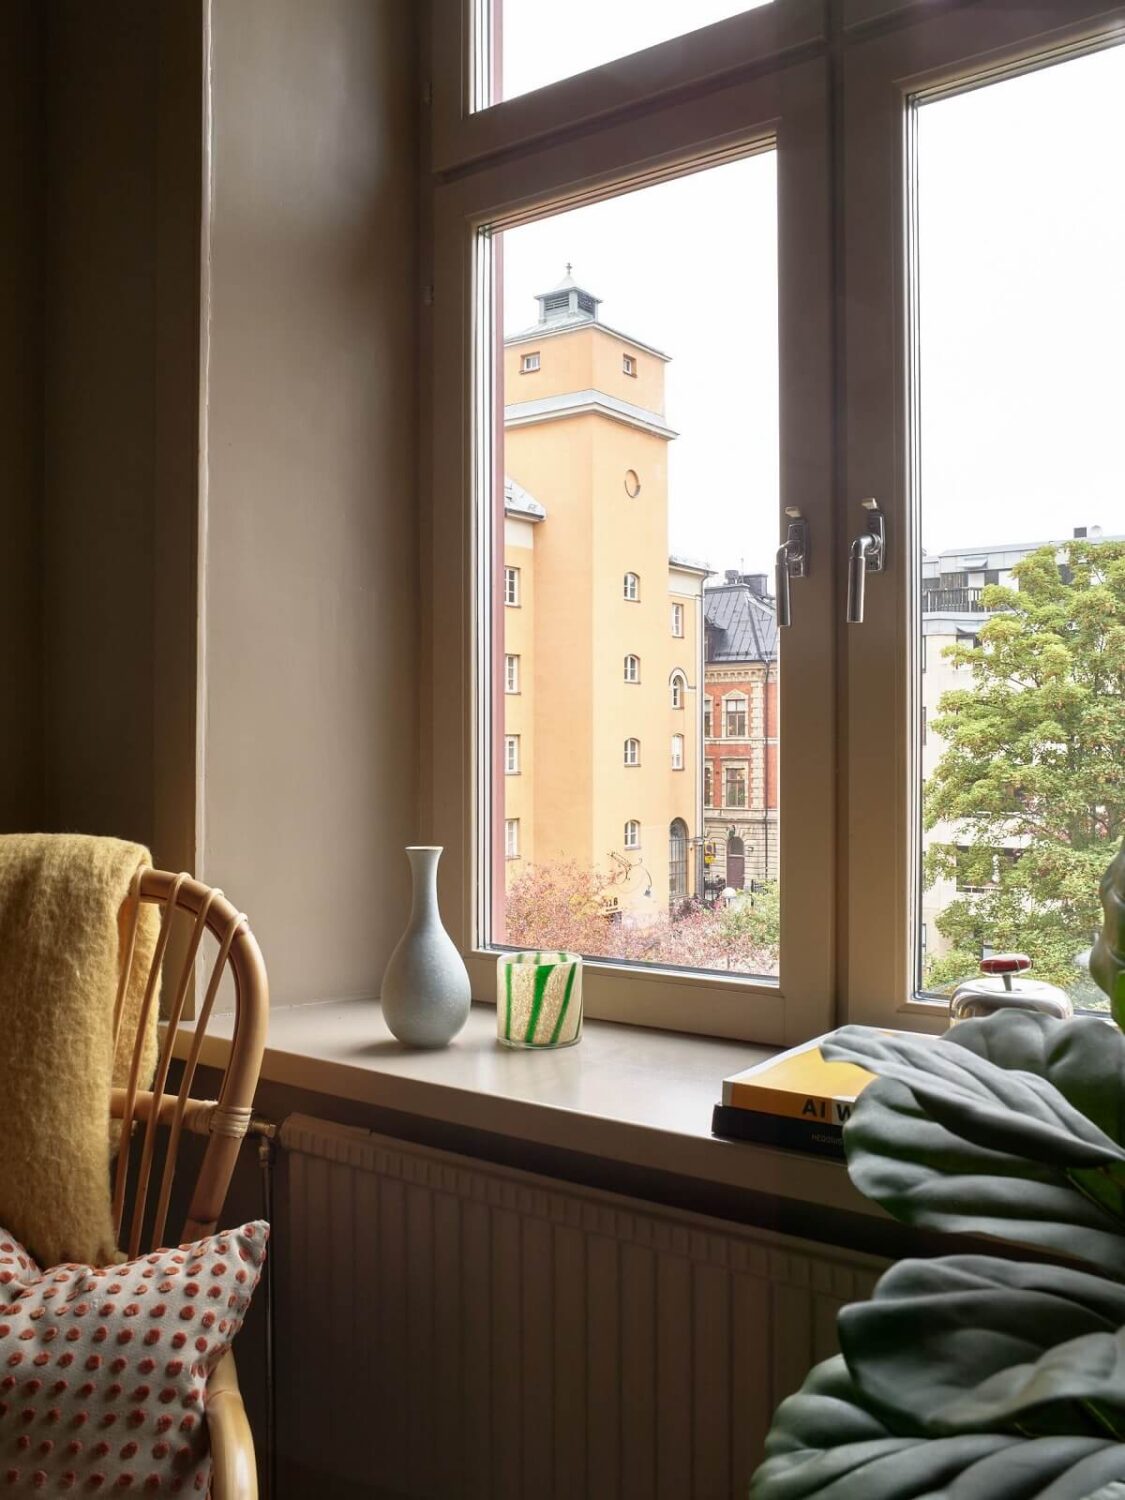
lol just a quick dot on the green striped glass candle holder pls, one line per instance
(539, 999)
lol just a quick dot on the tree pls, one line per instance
(1033, 776)
(563, 905)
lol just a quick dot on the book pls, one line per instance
(796, 1099)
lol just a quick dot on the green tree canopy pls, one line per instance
(1034, 760)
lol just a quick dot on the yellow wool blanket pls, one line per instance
(64, 919)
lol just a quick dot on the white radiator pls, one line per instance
(451, 1328)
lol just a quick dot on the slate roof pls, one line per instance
(740, 626)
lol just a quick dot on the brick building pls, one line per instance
(740, 733)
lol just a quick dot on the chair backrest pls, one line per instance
(225, 1120)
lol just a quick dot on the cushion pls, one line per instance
(103, 1371)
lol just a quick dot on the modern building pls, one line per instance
(740, 734)
(603, 630)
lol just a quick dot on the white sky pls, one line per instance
(1022, 305)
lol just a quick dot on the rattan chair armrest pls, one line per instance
(234, 1473)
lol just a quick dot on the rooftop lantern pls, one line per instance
(567, 302)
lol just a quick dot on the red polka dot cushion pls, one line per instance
(103, 1372)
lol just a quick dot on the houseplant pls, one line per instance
(975, 1377)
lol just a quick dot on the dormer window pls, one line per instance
(529, 363)
(628, 364)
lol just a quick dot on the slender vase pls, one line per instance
(426, 984)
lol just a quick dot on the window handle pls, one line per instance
(792, 562)
(868, 554)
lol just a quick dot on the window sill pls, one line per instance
(624, 1094)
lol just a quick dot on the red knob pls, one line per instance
(1005, 963)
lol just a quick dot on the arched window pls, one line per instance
(677, 860)
(677, 752)
(736, 863)
(632, 752)
(734, 711)
(632, 587)
(632, 834)
(678, 683)
(632, 669)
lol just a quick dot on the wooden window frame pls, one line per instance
(517, 161)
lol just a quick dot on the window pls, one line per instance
(707, 716)
(512, 754)
(511, 838)
(678, 861)
(628, 364)
(632, 587)
(734, 785)
(632, 752)
(529, 363)
(511, 586)
(511, 673)
(679, 687)
(735, 710)
(677, 620)
(632, 834)
(632, 669)
(708, 784)
(677, 752)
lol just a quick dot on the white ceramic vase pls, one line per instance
(426, 985)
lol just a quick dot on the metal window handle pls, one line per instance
(868, 554)
(792, 562)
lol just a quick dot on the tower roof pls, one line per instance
(567, 302)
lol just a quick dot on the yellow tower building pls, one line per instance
(603, 629)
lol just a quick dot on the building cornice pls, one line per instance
(585, 403)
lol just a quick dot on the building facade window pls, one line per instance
(512, 754)
(734, 786)
(632, 669)
(511, 586)
(632, 587)
(679, 687)
(511, 838)
(677, 752)
(632, 834)
(678, 620)
(678, 860)
(529, 363)
(511, 673)
(735, 712)
(632, 752)
(707, 717)
(628, 364)
(708, 784)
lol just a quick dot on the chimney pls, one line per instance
(732, 575)
(1079, 531)
(757, 583)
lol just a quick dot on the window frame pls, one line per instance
(678, 618)
(776, 93)
(511, 673)
(526, 367)
(630, 660)
(511, 826)
(677, 684)
(678, 744)
(882, 660)
(512, 588)
(631, 835)
(631, 588)
(631, 752)
(512, 755)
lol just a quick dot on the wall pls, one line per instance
(311, 609)
(21, 416)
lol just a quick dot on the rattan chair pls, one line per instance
(155, 1120)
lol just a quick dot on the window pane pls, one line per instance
(1020, 317)
(540, 44)
(636, 594)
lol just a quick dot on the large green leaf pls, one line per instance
(947, 1139)
(972, 1343)
(828, 1444)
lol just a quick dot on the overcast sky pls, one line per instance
(1022, 305)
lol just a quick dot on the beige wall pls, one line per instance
(311, 616)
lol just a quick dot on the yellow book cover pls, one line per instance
(800, 1085)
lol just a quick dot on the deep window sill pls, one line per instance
(639, 1097)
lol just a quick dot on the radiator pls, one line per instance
(451, 1328)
